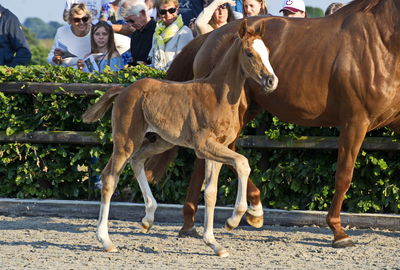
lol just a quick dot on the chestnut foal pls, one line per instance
(200, 114)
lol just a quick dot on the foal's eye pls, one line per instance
(249, 54)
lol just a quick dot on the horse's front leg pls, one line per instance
(212, 169)
(350, 140)
(109, 177)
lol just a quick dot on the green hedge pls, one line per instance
(288, 179)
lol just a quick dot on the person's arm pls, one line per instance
(18, 43)
(202, 21)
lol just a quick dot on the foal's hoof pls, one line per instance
(343, 243)
(146, 226)
(111, 249)
(228, 226)
(222, 253)
(192, 232)
(256, 222)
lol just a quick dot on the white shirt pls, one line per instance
(79, 46)
(93, 5)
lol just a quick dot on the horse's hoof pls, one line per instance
(343, 243)
(146, 227)
(192, 232)
(111, 249)
(222, 253)
(256, 222)
(228, 226)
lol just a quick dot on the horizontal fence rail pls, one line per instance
(304, 142)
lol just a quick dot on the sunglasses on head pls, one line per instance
(83, 19)
(170, 10)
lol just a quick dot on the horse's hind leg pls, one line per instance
(350, 140)
(109, 177)
(149, 200)
(146, 150)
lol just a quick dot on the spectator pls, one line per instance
(93, 5)
(152, 11)
(215, 15)
(294, 8)
(103, 50)
(110, 12)
(72, 42)
(14, 49)
(190, 9)
(332, 8)
(170, 35)
(254, 8)
(136, 14)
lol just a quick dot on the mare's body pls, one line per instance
(342, 70)
(201, 114)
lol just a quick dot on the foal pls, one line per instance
(200, 114)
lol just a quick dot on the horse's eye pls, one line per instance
(249, 54)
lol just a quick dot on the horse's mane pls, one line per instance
(364, 5)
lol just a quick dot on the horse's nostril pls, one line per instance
(270, 82)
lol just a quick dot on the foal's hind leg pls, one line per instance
(146, 150)
(109, 177)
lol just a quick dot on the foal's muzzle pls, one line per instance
(269, 82)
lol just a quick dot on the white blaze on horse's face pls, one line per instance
(263, 52)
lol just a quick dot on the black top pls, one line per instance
(12, 40)
(141, 42)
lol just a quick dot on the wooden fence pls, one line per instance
(75, 137)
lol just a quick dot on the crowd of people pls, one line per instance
(118, 33)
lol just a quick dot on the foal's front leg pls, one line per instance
(212, 169)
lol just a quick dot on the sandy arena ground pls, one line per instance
(59, 243)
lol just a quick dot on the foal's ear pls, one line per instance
(243, 28)
(261, 29)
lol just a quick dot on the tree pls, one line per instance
(314, 12)
(41, 29)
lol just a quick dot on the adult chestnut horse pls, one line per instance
(202, 114)
(342, 70)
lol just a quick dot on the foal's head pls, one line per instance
(254, 58)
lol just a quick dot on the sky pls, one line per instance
(51, 10)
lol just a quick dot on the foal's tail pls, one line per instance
(98, 110)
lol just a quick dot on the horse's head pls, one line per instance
(254, 58)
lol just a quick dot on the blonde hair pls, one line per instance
(76, 8)
(263, 9)
(158, 3)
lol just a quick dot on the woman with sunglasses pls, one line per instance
(170, 35)
(215, 15)
(72, 42)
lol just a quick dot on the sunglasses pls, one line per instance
(164, 11)
(83, 19)
(130, 21)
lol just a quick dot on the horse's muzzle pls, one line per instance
(269, 82)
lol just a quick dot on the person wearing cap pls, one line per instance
(294, 8)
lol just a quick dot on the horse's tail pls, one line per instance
(98, 110)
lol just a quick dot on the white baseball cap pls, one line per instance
(293, 6)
